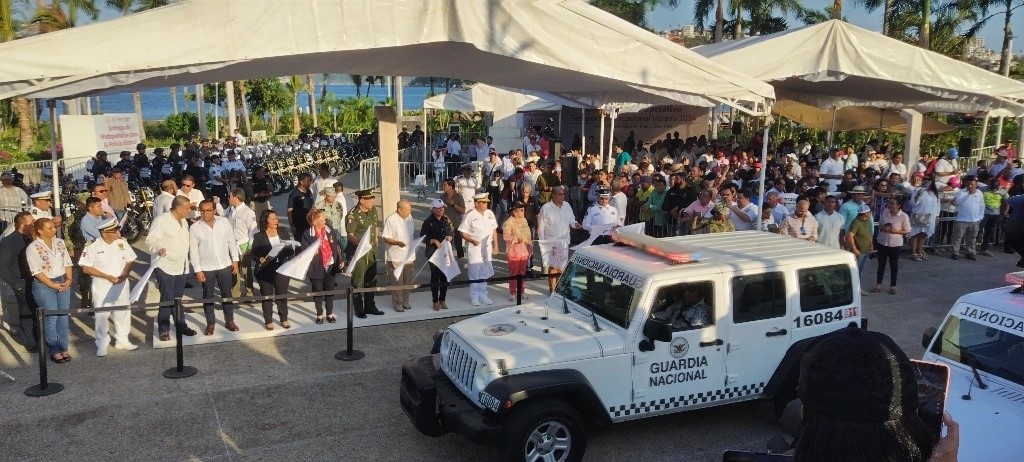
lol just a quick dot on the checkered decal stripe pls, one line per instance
(645, 407)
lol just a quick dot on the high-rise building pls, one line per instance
(688, 31)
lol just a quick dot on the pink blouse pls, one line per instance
(900, 222)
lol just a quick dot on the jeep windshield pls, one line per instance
(609, 292)
(995, 351)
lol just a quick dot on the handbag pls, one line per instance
(920, 219)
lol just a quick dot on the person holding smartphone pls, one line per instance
(893, 225)
(860, 403)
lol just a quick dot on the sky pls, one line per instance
(672, 18)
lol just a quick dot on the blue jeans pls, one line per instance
(55, 328)
(862, 261)
(171, 287)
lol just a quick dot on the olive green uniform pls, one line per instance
(365, 272)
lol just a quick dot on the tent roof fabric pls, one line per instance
(837, 64)
(853, 118)
(480, 97)
(561, 46)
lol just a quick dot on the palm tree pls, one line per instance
(701, 10)
(295, 86)
(245, 106)
(8, 24)
(310, 90)
(980, 9)
(837, 9)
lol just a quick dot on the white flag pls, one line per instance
(444, 260)
(637, 228)
(410, 256)
(298, 266)
(139, 286)
(361, 249)
(595, 231)
(554, 252)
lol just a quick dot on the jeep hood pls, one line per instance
(524, 338)
(991, 422)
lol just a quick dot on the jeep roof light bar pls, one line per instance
(673, 252)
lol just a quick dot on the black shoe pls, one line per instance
(970, 256)
(187, 331)
(319, 320)
(331, 319)
(360, 315)
(375, 311)
(955, 256)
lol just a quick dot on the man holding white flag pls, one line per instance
(399, 230)
(553, 228)
(479, 230)
(362, 221)
(437, 231)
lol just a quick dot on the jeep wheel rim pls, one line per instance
(548, 442)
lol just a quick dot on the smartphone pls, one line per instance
(932, 385)
(746, 456)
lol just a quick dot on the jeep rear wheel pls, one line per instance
(546, 430)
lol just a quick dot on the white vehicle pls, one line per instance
(631, 332)
(982, 342)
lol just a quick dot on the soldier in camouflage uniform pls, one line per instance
(362, 219)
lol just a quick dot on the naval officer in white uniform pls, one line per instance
(109, 261)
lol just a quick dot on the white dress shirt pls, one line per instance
(467, 187)
(751, 211)
(195, 196)
(108, 259)
(555, 222)
(170, 234)
(598, 217)
(243, 221)
(162, 203)
(398, 229)
(829, 226)
(969, 207)
(212, 247)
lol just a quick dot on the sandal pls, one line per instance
(876, 290)
(319, 319)
(286, 324)
(892, 291)
(58, 359)
(67, 356)
(511, 298)
(269, 326)
(437, 306)
(331, 319)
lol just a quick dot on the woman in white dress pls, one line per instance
(922, 220)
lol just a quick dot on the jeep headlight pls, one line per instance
(446, 343)
(482, 376)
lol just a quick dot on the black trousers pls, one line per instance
(327, 301)
(279, 286)
(1015, 240)
(25, 313)
(892, 256)
(218, 279)
(438, 284)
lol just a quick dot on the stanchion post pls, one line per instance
(180, 370)
(348, 354)
(519, 289)
(45, 387)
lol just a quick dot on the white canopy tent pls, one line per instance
(852, 118)
(480, 97)
(836, 64)
(560, 46)
(563, 46)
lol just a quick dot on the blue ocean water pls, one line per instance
(157, 103)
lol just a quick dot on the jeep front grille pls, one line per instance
(461, 367)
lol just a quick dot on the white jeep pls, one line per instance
(652, 327)
(982, 342)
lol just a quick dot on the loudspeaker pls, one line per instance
(737, 128)
(570, 170)
(964, 146)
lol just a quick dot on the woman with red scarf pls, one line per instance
(325, 265)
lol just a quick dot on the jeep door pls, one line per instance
(682, 373)
(758, 330)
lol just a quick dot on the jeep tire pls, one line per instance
(544, 429)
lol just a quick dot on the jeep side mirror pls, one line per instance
(927, 337)
(658, 330)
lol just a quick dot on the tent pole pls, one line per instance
(600, 138)
(611, 135)
(832, 131)
(760, 187)
(984, 134)
(583, 131)
(714, 123)
(54, 165)
(200, 101)
(216, 110)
